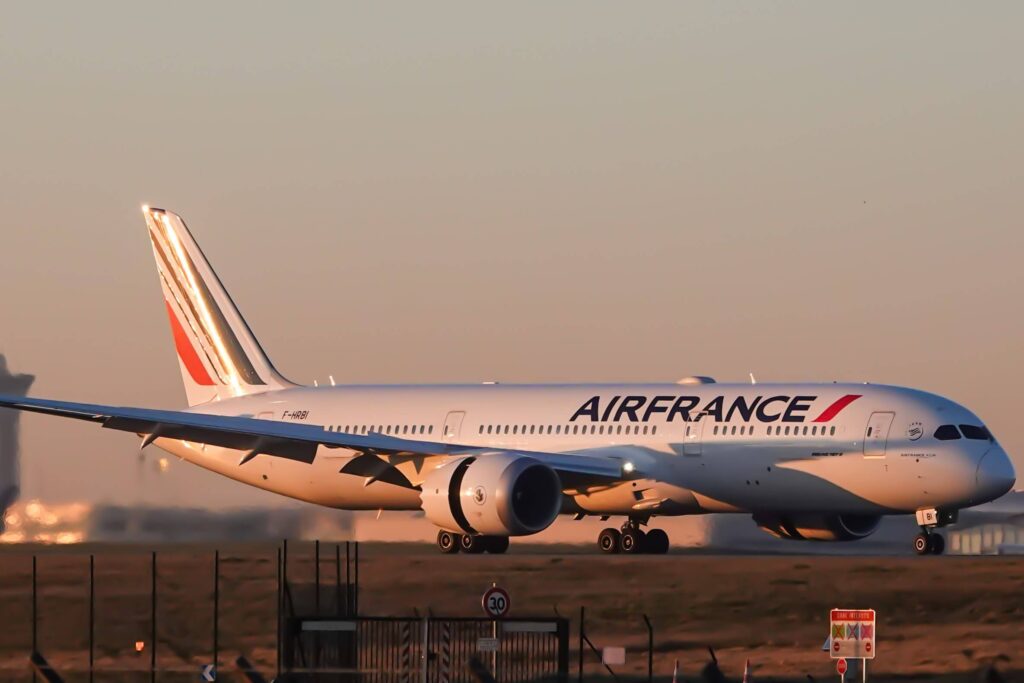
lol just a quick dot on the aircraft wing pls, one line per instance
(300, 441)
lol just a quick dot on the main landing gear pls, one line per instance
(630, 539)
(450, 543)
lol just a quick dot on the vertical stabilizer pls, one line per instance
(218, 353)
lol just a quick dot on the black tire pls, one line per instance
(448, 542)
(936, 544)
(497, 545)
(656, 542)
(631, 541)
(922, 543)
(608, 541)
(474, 545)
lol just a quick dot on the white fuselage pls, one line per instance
(825, 448)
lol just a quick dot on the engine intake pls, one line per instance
(495, 495)
(804, 527)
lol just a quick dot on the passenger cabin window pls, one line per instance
(976, 433)
(947, 433)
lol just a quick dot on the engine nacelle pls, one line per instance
(494, 495)
(805, 527)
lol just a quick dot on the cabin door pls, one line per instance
(876, 434)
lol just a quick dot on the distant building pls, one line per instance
(995, 538)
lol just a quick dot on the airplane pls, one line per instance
(490, 461)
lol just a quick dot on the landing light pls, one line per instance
(628, 467)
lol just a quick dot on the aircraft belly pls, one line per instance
(751, 478)
(644, 496)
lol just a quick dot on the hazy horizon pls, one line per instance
(460, 192)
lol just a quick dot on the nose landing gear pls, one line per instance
(929, 543)
(632, 540)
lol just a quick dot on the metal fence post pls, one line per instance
(563, 650)
(650, 650)
(216, 606)
(583, 615)
(92, 614)
(425, 652)
(152, 651)
(280, 599)
(316, 598)
(316, 575)
(337, 579)
(35, 613)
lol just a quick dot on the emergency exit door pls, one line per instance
(453, 425)
(692, 435)
(877, 433)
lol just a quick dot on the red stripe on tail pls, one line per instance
(186, 352)
(836, 407)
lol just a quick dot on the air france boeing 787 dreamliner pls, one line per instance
(819, 462)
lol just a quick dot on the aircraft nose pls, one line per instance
(995, 473)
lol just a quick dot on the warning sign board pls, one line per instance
(853, 633)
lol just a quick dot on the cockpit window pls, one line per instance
(976, 433)
(947, 433)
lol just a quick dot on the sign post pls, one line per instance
(852, 635)
(496, 604)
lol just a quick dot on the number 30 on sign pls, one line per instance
(496, 602)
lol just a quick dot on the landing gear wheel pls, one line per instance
(474, 545)
(922, 543)
(936, 544)
(448, 542)
(608, 541)
(632, 541)
(656, 542)
(496, 545)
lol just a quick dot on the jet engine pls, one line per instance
(493, 495)
(811, 527)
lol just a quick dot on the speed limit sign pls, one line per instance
(496, 602)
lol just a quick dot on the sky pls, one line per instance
(531, 192)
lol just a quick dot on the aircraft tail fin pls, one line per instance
(218, 354)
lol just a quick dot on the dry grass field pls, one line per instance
(939, 618)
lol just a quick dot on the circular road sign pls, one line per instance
(841, 666)
(496, 602)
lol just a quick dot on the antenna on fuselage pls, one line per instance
(331, 377)
(752, 380)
